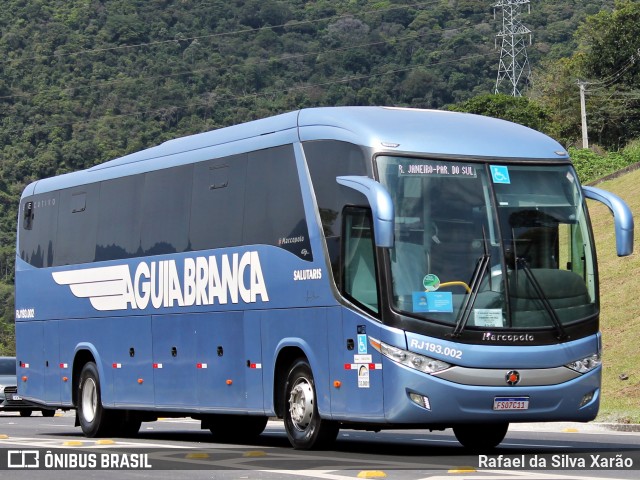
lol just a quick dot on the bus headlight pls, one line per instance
(409, 359)
(586, 364)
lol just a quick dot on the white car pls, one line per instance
(10, 401)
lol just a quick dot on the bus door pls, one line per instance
(361, 390)
(359, 368)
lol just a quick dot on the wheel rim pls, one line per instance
(301, 404)
(89, 399)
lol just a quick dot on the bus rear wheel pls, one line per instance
(305, 429)
(94, 420)
(481, 436)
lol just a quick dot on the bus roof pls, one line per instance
(389, 129)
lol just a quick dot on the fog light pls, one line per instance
(587, 398)
(420, 400)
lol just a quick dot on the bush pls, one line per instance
(592, 166)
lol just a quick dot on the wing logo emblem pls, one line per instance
(105, 287)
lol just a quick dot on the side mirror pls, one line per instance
(381, 206)
(622, 217)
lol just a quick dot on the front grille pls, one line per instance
(9, 392)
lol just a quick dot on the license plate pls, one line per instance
(16, 397)
(511, 403)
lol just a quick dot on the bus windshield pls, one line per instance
(488, 245)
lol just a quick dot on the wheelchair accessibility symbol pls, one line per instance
(500, 174)
(362, 344)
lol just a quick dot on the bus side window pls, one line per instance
(217, 202)
(77, 225)
(328, 159)
(274, 212)
(359, 258)
(166, 210)
(120, 218)
(27, 221)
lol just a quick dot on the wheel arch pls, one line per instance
(84, 353)
(286, 357)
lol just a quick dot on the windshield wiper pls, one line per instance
(478, 274)
(465, 310)
(522, 263)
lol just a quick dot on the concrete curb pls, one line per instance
(573, 427)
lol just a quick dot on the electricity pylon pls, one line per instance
(514, 62)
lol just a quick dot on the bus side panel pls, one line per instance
(306, 330)
(94, 336)
(359, 370)
(29, 345)
(53, 369)
(130, 355)
(254, 367)
(220, 361)
(174, 360)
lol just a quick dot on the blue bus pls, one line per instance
(339, 268)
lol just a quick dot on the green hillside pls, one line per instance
(620, 315)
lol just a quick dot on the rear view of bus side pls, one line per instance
(347, 267)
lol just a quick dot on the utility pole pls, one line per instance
(583, 114)
(514, 62)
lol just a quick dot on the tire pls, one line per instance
(48, 413)
(25, 413)
(481, 436)
(236, 427)
(94, 419)
(305, 429)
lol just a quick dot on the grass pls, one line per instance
(620, 307)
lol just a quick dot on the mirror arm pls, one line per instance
(623, 218)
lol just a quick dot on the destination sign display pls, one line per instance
(436, 169)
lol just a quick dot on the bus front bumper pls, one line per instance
(412, 397)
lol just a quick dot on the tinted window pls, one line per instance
(119, 218)
(244, 199)
(77, 225)
(166, 207)
(328, 160)
(274, 213)
(359, 259)
(7, 366)
(217, 210)
(37, 237)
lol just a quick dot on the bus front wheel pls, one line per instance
(305, 429)
(481, 436)
(94, 419)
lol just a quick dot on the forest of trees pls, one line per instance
(86, 81)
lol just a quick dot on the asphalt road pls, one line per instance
(178, 448)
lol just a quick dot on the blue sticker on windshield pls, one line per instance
(500, 174)
(433, 302)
